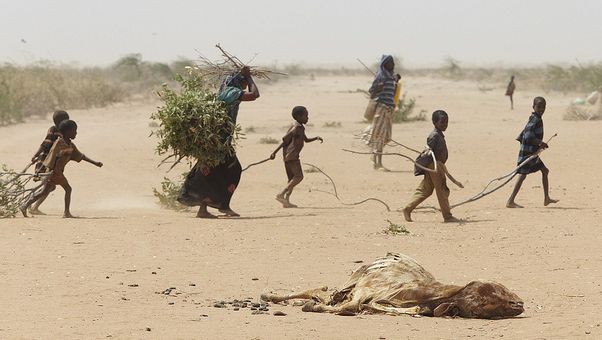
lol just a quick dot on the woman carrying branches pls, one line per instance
(214, 186)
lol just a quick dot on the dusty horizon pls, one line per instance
(310, 34)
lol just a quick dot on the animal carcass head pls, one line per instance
(482, 300)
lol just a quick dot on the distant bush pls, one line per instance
(268, 140)
(332, 124)
(41, 88)
(404, 110)
(581, 112)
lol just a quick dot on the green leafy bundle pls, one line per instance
(194, 123)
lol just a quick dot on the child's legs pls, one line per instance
(295, 175)
(545, 182)
(519, 183)
(442, 191)
(36, 205)
(44, 193)
(65, 184)
(423, 191)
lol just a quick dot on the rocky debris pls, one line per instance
(167, 291)
(255, 307)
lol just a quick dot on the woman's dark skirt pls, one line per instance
(212, 186)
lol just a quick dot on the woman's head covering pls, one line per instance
(382, 71)
(234, 79)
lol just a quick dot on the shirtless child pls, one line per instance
(291, 146)
(63, 150)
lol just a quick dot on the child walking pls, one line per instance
(63, 150)
(433, 181)
(291, 146)
(43, 150)
(531, 140)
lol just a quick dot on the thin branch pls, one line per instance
(335, 194)
(256, 163)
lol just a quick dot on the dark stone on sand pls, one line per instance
(236, 309)
(279, 313)
(154, 273)
(254, 279)
(148, 329)
(133, 285)
(192, 285)
(219, 305)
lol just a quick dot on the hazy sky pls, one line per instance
(312, 32)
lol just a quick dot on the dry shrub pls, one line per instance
(580, 112)
(44, 87)
(168, 194)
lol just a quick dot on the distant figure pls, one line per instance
(382, 92)
(531, 140)
(63, 150)
(291, 146)
(510, 91)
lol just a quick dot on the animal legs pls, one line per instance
(319, 294)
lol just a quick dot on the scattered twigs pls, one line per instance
(16, 189)
(336, 194)
(256, 163)
(404, 146)
(218, 70)
(505, 178)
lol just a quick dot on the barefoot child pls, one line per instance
(291, 146)
(531, 140)
(40, 155)
(433, 181)
(63, 150)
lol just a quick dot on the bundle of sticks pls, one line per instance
(16, 188)
(215, 71)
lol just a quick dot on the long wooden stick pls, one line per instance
(509, 177)
(366, 67)
(256, 163)
(336, 194)
(392, 154)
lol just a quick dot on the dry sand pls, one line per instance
(72, 278)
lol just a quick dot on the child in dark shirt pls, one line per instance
(434, 181)
(531, 140)
(291, 146)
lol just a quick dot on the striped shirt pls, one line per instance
(388, 92)
(530, 139)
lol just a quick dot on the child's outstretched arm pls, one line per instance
(309, 140)
(98, 164)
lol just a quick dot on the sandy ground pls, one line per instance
(97, 276)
